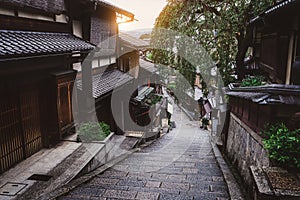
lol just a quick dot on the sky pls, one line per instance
(145, 11)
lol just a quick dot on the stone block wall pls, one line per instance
(244, 148)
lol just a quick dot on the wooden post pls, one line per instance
(123, 117)
(87, 100)
(290, 58)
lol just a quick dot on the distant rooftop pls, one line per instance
(148, 66)
(133, 42)
(107, 81)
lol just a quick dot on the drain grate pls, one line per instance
(11, 189)
(39, 177)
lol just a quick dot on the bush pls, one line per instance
(172, 86)
(253, 81)
(93, 131)
(283, 145)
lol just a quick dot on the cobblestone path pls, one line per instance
(180, 165)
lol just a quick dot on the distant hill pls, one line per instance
(137, 33)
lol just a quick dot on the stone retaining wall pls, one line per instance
(105, 152)
(244, 148)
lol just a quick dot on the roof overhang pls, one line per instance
(118, 10)
(283, 10)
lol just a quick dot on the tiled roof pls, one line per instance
(148, 66)
(282, 5)
(132, 41)
(24, 43)
(269, 94)
(107, 81)
(50, 6)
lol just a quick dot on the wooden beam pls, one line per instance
(25, 24)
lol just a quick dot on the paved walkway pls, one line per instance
(180, 165)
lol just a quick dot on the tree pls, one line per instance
(220, 26)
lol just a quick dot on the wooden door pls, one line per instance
(65, 105)
(30, 117)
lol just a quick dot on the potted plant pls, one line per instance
(93, 131)
(283, 145)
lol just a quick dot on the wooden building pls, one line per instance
(99, 76)
(130, 50)
(275, 42)
(43, 44)
(147, 104)
(274, 47)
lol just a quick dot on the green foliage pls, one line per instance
(172, 86)
(149, 56)
(154, 99)
(283, 145)
(93, 131)
(219, 26)
(253, 81)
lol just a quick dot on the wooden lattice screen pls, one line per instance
(20, 134)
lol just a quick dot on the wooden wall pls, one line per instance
(257, 116)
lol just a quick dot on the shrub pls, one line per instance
(253, 81)
(93, 131)
(172, 86)
(283, 145)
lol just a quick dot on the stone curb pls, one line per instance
(233, 187)
(186, 113)
(77, 182)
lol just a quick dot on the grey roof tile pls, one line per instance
(150, 67)
(25, 43)
(107, 81)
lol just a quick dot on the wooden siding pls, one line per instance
(257, 116)
(101, 30)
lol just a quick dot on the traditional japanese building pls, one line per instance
(43, 45)
(147, 106)
(99, 75)
(275, 49)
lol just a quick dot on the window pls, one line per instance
(4, 11)
(77, 66)
(61, 18)
(35, 16)
(77, 28)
